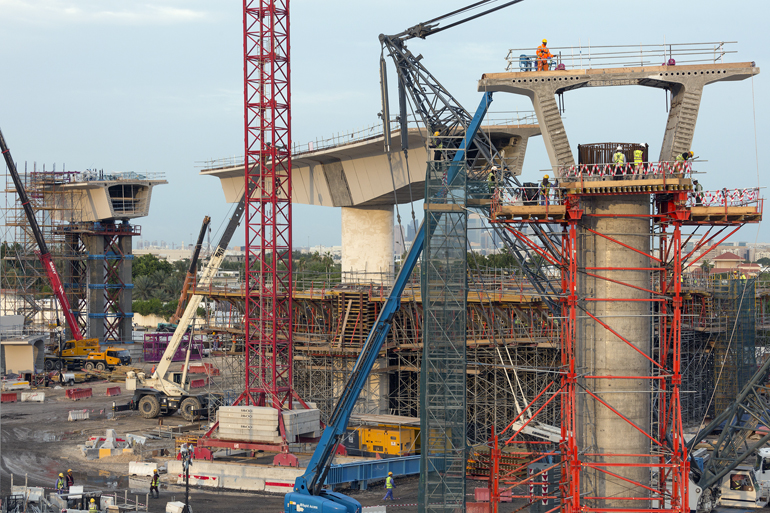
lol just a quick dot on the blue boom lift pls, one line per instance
(308, 494)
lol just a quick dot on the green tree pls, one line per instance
(148, 264)
(764, 262)
(143, 288)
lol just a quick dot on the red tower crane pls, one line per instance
(267, 109)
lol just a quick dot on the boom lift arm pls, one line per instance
(44, 254)
(192, 271)
(308, 487)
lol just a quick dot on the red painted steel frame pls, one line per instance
(267, 96)
(668, 454)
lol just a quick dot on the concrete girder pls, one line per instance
(685, 83)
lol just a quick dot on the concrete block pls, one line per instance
(136, 439)
(33, 397)
(90, 453)
(78, 415)
(374, 509)
(236, 476)
(141, 468)
(174, 507)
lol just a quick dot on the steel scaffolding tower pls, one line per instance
(267, 97)
(444, 292)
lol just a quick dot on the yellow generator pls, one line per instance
(390, 436)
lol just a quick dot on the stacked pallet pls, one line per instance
(305, 423)
(249, 424)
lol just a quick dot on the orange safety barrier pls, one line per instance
(198, 383)
(113, 391)
(78, 393)
(9, 397)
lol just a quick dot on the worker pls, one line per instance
(389, 486)
(638, 160)
(437, 146)
(545, 190)
(543, 56)
(93, 508)
(70, 479)
(492, 180)
(681, 159)
(60, 484)
(743, 276)
(619, 159)
(698, 188)
(154, 484)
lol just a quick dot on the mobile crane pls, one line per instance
(192, 271)
(43, 252)
(160, 394)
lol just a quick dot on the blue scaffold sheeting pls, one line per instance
(372, 470)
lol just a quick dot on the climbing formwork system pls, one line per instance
(619, 383)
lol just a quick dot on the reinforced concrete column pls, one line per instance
(367, 241)
(95, 247)
(600, 352)
(126, 295)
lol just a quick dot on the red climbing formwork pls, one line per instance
(654, 478)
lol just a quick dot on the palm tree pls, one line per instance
(143, 286)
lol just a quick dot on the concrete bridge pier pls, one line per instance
(367, 241)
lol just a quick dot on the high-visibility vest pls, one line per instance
(619, 158)
(92, 508)
(680, 157)
(545, 187)
(389, 483)
(60, 484)
(638, 156)
(154, 481)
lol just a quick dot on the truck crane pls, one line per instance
(192, 271)
(43, 253)
(164, 393)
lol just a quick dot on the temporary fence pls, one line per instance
(9, 397)
(637, 171)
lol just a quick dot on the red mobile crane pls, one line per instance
(44, 254)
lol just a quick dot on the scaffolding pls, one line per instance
(24, 285)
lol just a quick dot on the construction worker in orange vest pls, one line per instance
(543, 56)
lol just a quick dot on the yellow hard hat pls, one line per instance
(545, 40)
(436, 134)
(692, 153)
(546, 176)
(93, 500)
(390, 473)
(69, 470)
(61, 475)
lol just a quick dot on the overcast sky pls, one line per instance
(157, 86)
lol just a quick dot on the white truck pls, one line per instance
(164, 392)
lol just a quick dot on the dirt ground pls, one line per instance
(38, 442)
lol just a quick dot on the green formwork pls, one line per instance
(443, 378)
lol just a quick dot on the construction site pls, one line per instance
(596, 357)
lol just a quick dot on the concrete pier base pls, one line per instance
(602, 353)
(367, 241)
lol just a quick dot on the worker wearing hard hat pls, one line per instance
(545, 190)
(681, 160)
(638, 159)
(389, 486)
(93, 508)
(543, 56)
(60, 484)
(492, 180)
(70, 479)
(437, 145)
(154, 484)
(619, 159)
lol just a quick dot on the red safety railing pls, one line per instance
(78, 393)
